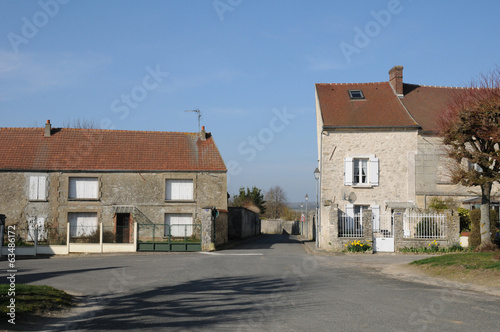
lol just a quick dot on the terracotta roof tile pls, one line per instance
(106, 150)
(380, 108)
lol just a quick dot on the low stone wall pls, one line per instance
(278, 226)
(243, 223)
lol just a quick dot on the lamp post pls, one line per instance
(318, 220)
(301, 223)
(307, 222)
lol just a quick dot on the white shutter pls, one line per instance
(374, 171)
(179, 190)
(180, 225)
(33, 188)
(376, 216)
(83, 188)
(82, 223)
(349, 211)
(348, 171)
(42, 187)
(41, 229)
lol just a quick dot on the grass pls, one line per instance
(34, 300)
(468, 261)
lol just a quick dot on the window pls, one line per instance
(36, 222)
(360, 175)
(179, 190)
(179, 224)
(361, 171)
(83, 188)
(356, 94)
(82, 223)
(38, 188)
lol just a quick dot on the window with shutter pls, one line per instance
(179, 224)
(361, 171)
(82, 223)
(37, 188)
(179, 190)
(83, 188)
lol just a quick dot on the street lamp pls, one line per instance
(301, 223)
(318, 222)
(307, 222)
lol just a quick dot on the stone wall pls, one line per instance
(278, 226)
(243, 223)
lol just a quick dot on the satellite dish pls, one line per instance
(352, 197)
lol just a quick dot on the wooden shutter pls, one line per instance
(42, 188)
(33, 188)
(348, 171)
(376, 216)
(373, 171)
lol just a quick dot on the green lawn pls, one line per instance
(31, 299)
(469, 261)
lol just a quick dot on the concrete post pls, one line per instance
(398, 228)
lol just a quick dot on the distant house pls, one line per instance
(102, 181)
(378, 149)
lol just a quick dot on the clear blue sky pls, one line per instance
(249, 66)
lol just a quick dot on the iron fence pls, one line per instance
(424, 226)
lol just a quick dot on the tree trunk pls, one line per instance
(485, 214)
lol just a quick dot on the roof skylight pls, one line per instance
(356, 94)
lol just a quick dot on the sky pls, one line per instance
(249, 66)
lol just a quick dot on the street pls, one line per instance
(269, 283)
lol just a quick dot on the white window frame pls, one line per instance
(179, 190)
(37, 188)
(172, 219)
(86, 188)
(83, 223)
(372, 169)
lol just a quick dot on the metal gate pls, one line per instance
(383, 233)
(163, 237)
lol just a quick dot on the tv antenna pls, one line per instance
(199, 117)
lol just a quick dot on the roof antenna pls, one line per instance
(199, 117)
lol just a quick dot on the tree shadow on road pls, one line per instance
(240, 302)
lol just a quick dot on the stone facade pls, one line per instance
(142, 195)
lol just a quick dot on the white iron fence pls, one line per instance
(350, 226)
(424, 226)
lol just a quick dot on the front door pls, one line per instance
(122, 227)
(383, 234)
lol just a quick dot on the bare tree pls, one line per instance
(80, 123)
(276, 202)
(470, 128)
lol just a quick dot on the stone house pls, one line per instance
(378, 151)
(88, 178)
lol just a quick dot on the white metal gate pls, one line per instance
(383, 233)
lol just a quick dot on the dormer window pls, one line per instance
(356, 94)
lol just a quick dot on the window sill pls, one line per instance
(362, 185)
(83, 199)
(38, 200)
(179, 201)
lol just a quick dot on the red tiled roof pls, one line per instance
(380, 108)
(425, 103)
(106, 150)
(420, 105)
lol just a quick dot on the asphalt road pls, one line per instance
(268, 284)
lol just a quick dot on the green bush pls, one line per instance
(475, 232)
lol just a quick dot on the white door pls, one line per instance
(383, 233)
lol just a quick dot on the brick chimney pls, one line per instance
(48, 129)
(203, 133)
(396, 80)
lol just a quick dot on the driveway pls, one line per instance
(270, 283)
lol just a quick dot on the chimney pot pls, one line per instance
(396, 79)
(48, 129)
(203, 133)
